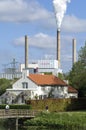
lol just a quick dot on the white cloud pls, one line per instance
(48, 42)
(18, 41)
(39, 40)
(32, 11)
(74, 24)
(43, 40)
(22, 11)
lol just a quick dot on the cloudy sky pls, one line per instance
(36, 18)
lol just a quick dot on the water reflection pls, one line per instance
(3, 128)
(29, 128)
(39, 128)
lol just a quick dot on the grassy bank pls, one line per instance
(62, 120)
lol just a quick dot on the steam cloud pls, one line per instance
(60, 7)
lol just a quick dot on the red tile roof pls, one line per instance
(72, 90)
(52, 80)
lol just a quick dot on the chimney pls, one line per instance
(74, 51)
(26, 52)
(58, 47)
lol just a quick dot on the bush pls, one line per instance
(16, 106)
(66, 120)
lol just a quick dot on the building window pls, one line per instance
(40, 96)
(43, 88)
(44, 96)
(25, 85)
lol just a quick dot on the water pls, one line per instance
(29, 128)
(3, 128)
(38, 128)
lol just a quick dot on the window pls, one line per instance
(43, 88)
(40, 96)
(24, 85)
(44, 96)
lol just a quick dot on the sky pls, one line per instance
(36, 18)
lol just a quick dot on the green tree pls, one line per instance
(77, 76)
(82, 55)
(61, 76)
(4, 84)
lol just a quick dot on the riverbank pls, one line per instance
(60, 120)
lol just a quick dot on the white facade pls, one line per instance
(24, 85)
(43, 66)
(25, 88)
(72, 95)
(47, 64)
(10, 76)
(32, 65)
(40, 66)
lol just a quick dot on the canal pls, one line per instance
(8, 128)
(36, 128)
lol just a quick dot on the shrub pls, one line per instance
(16, 106)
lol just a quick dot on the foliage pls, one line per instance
(59, 120)
(82, 55)
(53, 104)
(58, 105)
(77, 76)
(16, 106)
(61, 76)
(24, 106)
(4, 84)
(48, 73)
(36, 96)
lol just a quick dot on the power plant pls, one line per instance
(40, 66)
(50, 65)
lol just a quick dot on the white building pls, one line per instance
(32, 65)
(39, 86)
(40, 66)
(43, 66)
(47, 66)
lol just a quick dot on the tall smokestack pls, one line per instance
(74, 51)
(60, 7)
(26, 52)
(58, 47)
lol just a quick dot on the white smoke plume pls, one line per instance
(60, 7)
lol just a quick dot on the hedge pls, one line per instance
(54, 105)
(58, 104)
(16, 106)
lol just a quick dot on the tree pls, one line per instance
(77, 76)
(4, 84)
(82, 55)
(61, 76)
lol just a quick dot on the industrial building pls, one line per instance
(39, 66)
